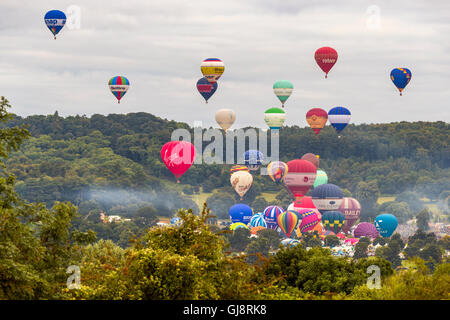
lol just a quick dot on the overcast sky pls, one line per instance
(159, 46)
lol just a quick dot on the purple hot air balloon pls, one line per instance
(365, 229)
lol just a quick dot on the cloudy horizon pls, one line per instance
(159, 45)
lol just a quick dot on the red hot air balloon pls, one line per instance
(326, 57)
(300, 177)
(178, 157)
(317, 119)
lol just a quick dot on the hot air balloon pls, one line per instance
(119, 86)
(311, 157)
(178, 157)
(277, 171)
(386, 224)
(206, 88)
(238, 168)
(271, 214)
(365, 229)
(212, 69)
(55, 21)
(321, 178)
(333, 221)
(300, 177)
(339, 117)
(240, 213)
(274, 117)
(257, 220)
(351, 209)
(255, 230)
(288, 242)
(327, 197)
(175, 220)
(309, 220)
(283, 90)
(317, 119)
(238, 225)
(304, 203)
(287, 221)
(253, 159)
(241, 182)
(326, 57)
(225, 118)
(401, 77)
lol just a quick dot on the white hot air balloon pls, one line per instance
(225, 118)
(241, 182)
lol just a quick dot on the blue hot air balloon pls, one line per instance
(253, 159)
(386, 224)
(339, 117)
(55, 21)
(240, 213)
(401, 77)
(327, 197)
(271, 214)
(206, 88)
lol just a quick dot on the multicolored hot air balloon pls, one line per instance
(327, 197)
(401, 77)
(241, 182)
(283, 90)
(212, 69)
(311, 157)
(274, 117)
(339, 117)
(225, 118)
(238, 225)
(253, 159)
(271, 214)
(257, 220)
(333, 221)
(119, 86)
(55, 21)
(240, 213)
(326, 57)
(288, 242)
(351, 209)
(238, 167)
(300, 177)
(321, 178)
(317, 119)
(365, 229)
(386, 224)
(206, 88)
(178, 157)
(288, 221)
(309, 219)
(277, 171)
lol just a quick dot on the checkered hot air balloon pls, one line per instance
(309, 219)
(119, 86)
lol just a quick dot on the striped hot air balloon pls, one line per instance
(119, 86)
(257, 220)
(283, 90)
(339, 117)
(238, 225)
(288, 221)
(238, 167)
(333, 221)
(274, 117)
(321, 178)
(351, 209)
(271, 214)
(212, 69)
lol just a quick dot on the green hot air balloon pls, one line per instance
(283, 90)
(333, 221)
(274, 117)
(321, 178)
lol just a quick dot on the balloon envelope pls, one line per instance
(386, 224)
(206, 88)
(326, 57)
(333, 221)
(283, 90)
(212, 69)
(257, 220)
(178, 156)
(119, 86)
(225, 118)
(274, 118)
(327, 197)
(253, 159)
(238, 168)
(321, 178)
(238, 225)
(339, 117)
(287, 221)
(365, 229)
(55, 21)
(317, 119)
(271, 214)
(241, 182)
(240, 213)
(401, 77)
(300, 177)
(277, 171)
(351, 209)
(311, 157)
(309, 220)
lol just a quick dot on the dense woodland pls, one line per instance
(58, 173)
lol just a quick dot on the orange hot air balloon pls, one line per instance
(317, 119)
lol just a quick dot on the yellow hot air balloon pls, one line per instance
(212, 69)
(241, 182)
(225, 118)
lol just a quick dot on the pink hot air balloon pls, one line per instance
(178, 157)
(366, 229)
(309, 219)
